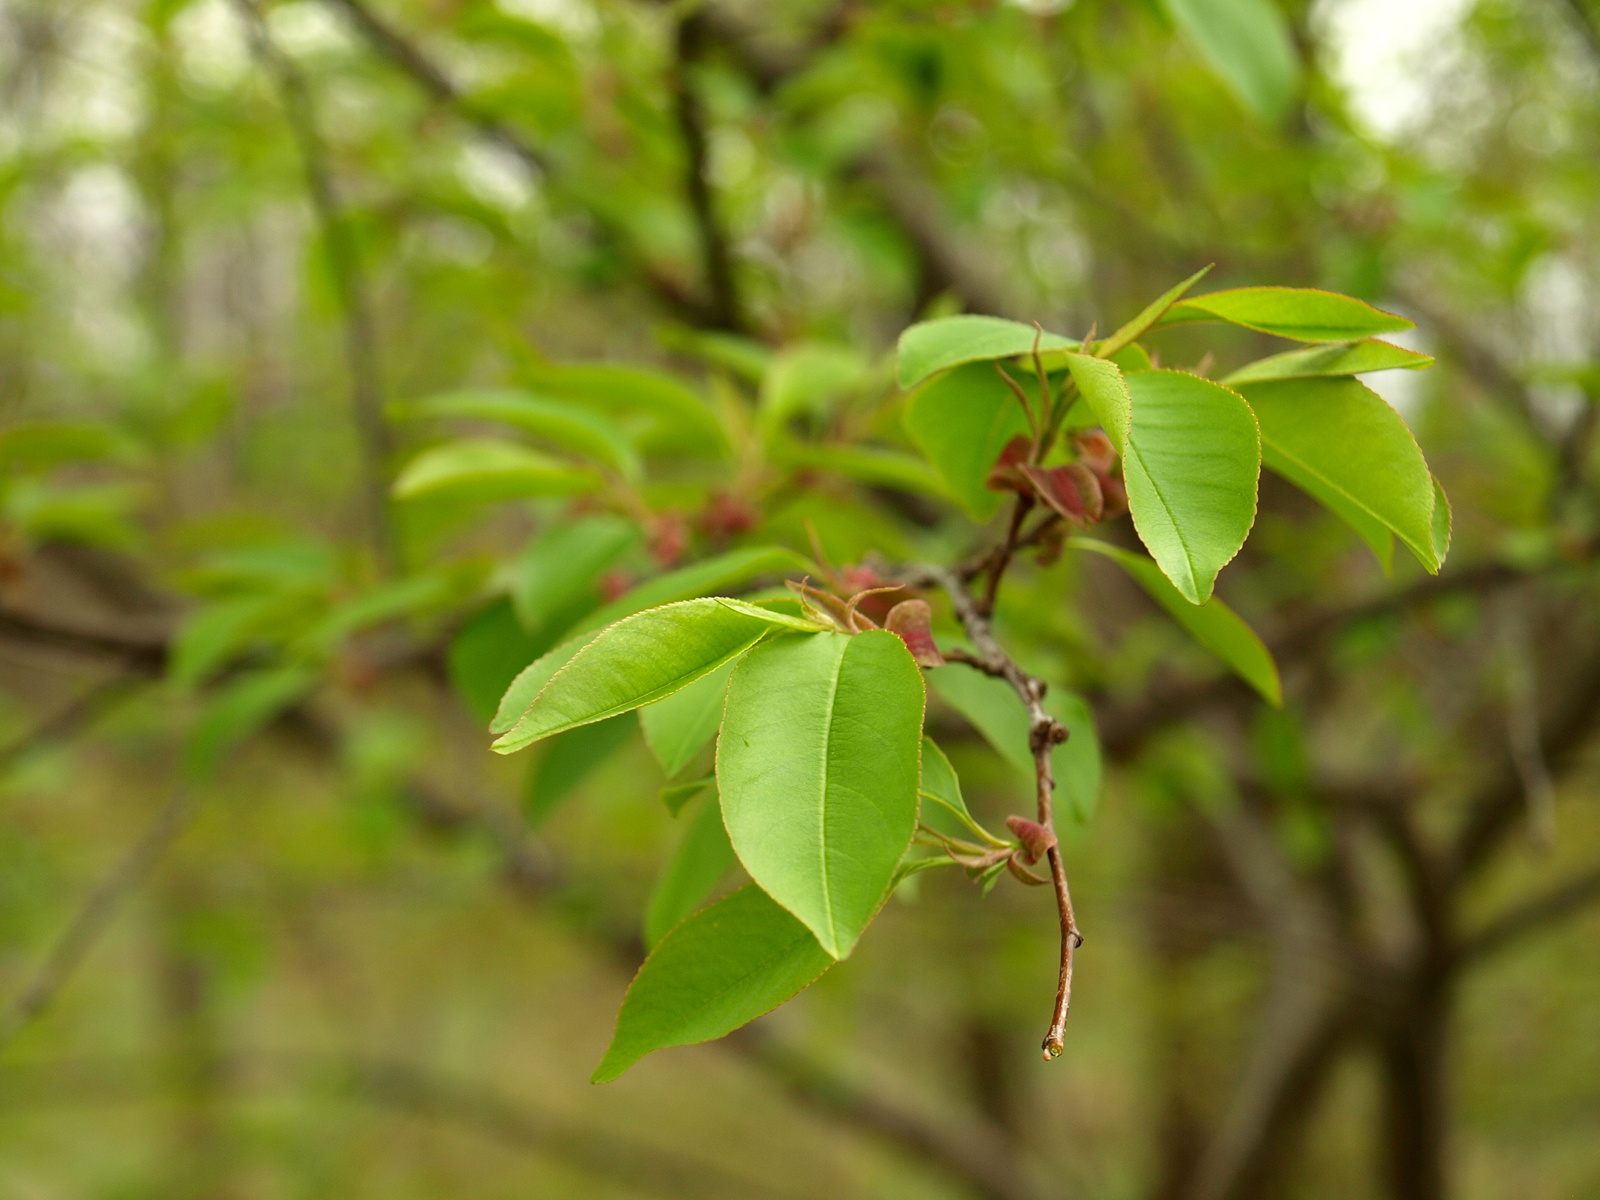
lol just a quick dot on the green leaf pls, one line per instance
(487, 654)
(1190, 459)
(557, 571)
(242, 707)
(701, 859)
(932, 346)
(961, 421)
(527, 683)
(386, 602)
(485, 469)
(868, 464)
(1304, 314)
(720, 969)
(808, 378)
(566, 762)
(946, 809)
(817, 766)
(1075, 764)
(1247, 44)
(560, 421)
(642, 659)
(1152, 312)
(996, 711)
(679, 794)
(676, 728)
(1213, 624)
(1337, 437)
(673, 416)
(1351, 358)
(736, 566)
(1441, 521)
(214, 634)
(40, 445)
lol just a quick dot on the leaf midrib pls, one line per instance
(822, 807)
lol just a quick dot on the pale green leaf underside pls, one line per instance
(1191, 460)
(961, 421)
(950, 341)
(1213, 624)
(485, 469)
(1303, 314)
(818, 765)
(697, 865)
(676, 728)
(996, 712)
(1345, 438)
(1247, 44)
(642, 659)
(676, 417)
(1349, 358)
(722, 968)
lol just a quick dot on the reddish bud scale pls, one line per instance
(1035, 838)
(912, 622)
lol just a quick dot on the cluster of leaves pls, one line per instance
(817, 711)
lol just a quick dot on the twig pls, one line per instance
(1002, 556)
(96, 913)
(1555, 905)
(1044, 734)
(71, 717)
(725, 310)
(349, 277)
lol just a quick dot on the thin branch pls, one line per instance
(146, 655)
(1044, 734)
(71, 717)
(725, 311)
(95, 915)
(349, 277)
(1556, 905)
(406, 56)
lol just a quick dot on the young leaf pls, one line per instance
(1152, 312)
(566, 761)
(722, 968)
(559, 421)
(736, 566)
(701, 859)
(1246, 42)
(962, 421)
(484, 469)
(808, 378)
(1337, 436)
(1190, 460)
(817, 766)
(995, 711)
(950, 341)
(1213, 624)
(1351, 358)
(214, 634)
(676, 728)
(557, 570)
(1304, 314)
(642, 659)
(946, 808)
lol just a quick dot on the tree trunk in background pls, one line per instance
(1412, 1053)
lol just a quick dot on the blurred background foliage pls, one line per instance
(275, 923)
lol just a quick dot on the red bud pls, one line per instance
(1072, 490)
(1005, 475)
(911, 621)
(1035, 838)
